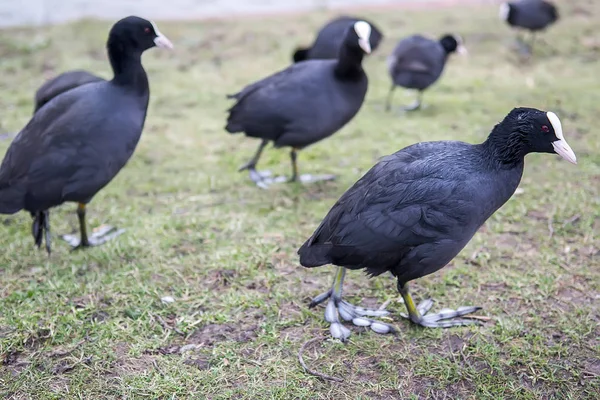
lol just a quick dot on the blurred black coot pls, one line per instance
(329, 40)
(417, 62)
(303, 104)
(60, 84)
(415, 210)
(529, 15)
(76, 143)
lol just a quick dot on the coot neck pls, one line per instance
(127, 68)
(349, 64)
(506, 149)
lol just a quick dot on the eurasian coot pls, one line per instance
(329, 40)
(415, 210)
(76, 143)
(304, 103)
(530, 15)
(417, 62)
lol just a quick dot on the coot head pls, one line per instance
(540, 131)
(358, 37)
(453, 43)
(136, 33)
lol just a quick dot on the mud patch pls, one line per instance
(212, 334)
(10, 357)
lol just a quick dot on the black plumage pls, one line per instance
(304, 103)
(76, 143)
(330, 37)
(60, 84)
(529, 15)
(417, 62)
(415, 210)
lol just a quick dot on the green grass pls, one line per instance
(92, 325)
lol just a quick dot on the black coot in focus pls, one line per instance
(417, 62)
(329, 40)
(415, 210)
(304, 103)
(62, 83)
(76, 143)
(530, 15)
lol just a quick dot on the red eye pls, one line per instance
(545, 128)
(147, 30)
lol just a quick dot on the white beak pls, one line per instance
(462, 50)
(162, 41)
(562, 148)
(365, 45)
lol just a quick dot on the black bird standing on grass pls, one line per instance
(304, 103)
(530, 15)
(415, 210)
(62, 83)
(418, 62)
(76, 143)
(330, 38)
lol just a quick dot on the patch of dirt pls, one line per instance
(212, 334)
(299, 333)
(198, 362)
(592, 368)
(67, 365)
(221, 278)
(35, 340)
(127, 365)
(59, 384)
(10, 357)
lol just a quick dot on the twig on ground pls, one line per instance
(569, 221)
(312, 371)
(166, 326)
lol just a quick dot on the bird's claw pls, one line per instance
(357, 315)
(446, 318)
(99, 236)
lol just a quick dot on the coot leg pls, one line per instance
(47, 231)
(388, 102)
(531, 42)
(100, 236)
(40, 229)
(417, 104)
(264, 179)
(260, 178)
(444, 319)
(523, 47)
(294, 158)
(337, 307)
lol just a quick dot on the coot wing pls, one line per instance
(416, 54)
(549, 10)
(62, 83)
(277, 104)
(400, 204)
(271, 82)
(61, 155)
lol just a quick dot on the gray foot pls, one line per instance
(446, 318)
(99, 236)
(359, 316)
(264, 179)
(413, 107)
